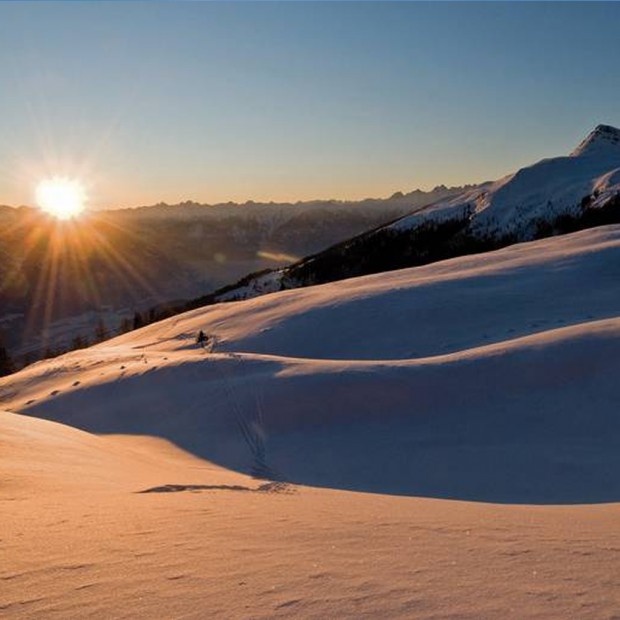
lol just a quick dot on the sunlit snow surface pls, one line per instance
(482, 378)
(489, 378)
(546, 189)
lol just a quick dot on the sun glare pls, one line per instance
(61, 197)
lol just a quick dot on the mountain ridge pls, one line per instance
(600, 136)
(552, 196)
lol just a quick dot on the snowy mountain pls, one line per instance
(604, 140)
(553, 196)
(542, 192)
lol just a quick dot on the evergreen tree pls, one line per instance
(101, 333)
(6, 364)
(79, 342)
(49, 352)
(138, 321)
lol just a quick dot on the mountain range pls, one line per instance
(58, 280)
(167, 259)
(553, 196)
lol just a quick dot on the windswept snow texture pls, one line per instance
(127, 527)
(549, 188)
(492, 377)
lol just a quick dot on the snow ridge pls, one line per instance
(602, 137)
(543, 191)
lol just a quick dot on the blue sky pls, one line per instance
(284, 101)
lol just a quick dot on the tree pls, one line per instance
(50, 351)
(138, 321)
(6, 364)
(79, 342)
(125, 326)
(101, 333)
(201, 339)
(27, 359)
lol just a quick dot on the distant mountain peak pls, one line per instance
(602, 137)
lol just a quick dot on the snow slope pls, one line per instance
(491, 377)
(482, 378)
(106, 528)
(542, 191)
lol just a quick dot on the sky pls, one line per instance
(209, 101)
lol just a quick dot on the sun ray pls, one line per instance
(128, 273)
(82, 264)
(42, 300)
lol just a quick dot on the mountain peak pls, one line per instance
(602, 137)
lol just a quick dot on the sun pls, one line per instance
(61, 197)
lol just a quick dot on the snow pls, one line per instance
(95, 544)
(603, 138)
(544, 190)
(442, 441)
(259, 285)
